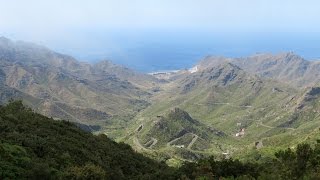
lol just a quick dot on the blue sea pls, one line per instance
(157, 51)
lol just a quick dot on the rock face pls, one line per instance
(314, 91)
(258, 144)
(311, 94)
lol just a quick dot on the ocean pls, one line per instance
(161, 51)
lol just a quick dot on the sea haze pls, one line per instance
(158, 51)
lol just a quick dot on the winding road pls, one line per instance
(261, 124)
(195, 138)
(221, 103)
(138, 144)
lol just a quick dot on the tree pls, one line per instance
(88, 171)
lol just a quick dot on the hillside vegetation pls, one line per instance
(33, 146)
(61, 87)
(247, 109)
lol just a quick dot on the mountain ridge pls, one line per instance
(58, 79)
(286, 67)
(220, 105)
(245, 106)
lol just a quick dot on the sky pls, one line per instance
(95, 29)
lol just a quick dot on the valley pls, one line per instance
(221, 106)
(245, 108)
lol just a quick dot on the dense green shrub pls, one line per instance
(302, 163)
(33, 146)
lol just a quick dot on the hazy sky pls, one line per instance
(51, 17)
(81, 26)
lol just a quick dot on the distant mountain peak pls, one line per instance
(74, 90)
(104, 64)
(4, 42)
(287, 56)
(3, 38)
(230, 65)
(288, 67)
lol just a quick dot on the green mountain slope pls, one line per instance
(68, 89)
(222, 106)
(246, 108)
(33, 146)
(177, 134)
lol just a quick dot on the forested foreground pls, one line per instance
(33, 146)
(36, 147)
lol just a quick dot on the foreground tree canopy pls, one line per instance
(33, 146)
(36, 147)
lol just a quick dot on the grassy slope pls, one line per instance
(263, 107)
(103, 94)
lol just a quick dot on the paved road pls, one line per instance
(137, 143)
(195, 137)
(261, 124)
(155, 141)
(169, 143)
(221, 103)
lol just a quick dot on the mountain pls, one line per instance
(247, 108)
(138, 79)
(235, 107)
(67, 89)
(285, 67)
(175, 132)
